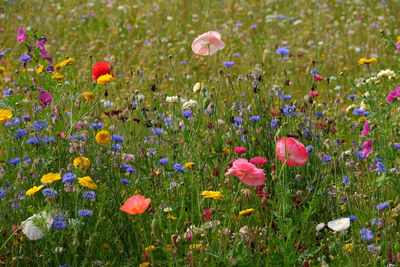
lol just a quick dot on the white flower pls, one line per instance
(33, 227)
(196, 87)
(171, 99)
(189, 104)
(339, 224)
(319, 227)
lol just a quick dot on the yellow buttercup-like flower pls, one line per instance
(245, 212)
(212, 194)
(104, 79)
(150, 248)
(50, 177)
(89, 96)
(64, 63)
(363, 60)
(2, 69)
(81, 161)
(40, 69)
(33, 190)
(59, 77)
(5, 115)
(103, 137)
(87, 182)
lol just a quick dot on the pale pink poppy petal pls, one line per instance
(291, 150)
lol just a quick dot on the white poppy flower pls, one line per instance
(189, 104)
(319, 227)
(34, 225)
(339, 224)
(171, 99)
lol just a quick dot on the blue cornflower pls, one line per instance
(33, 141)
(381, 167)
(309, 149)
(151, 152)
(255, 118)
(352, 96)
(58, 224)
(69, 177)
(396, 146)
(127, 168)
(228, 64)
(235, 54)
(49, 192)
(282, 51)
(134, 104)
(326, 158)
(183, 62)
(314, 71)
(307, 133)
(345, 181)
(117, 139)
(360, 155)
(20, 132)
(158, 131)
(366, 234)
(89, 194)
(116, 147)
(59, 216)
(289, 110)
(274, 124)
(14, 161)
(2, 193)
(96, 126)
(178, 167)
(13, 122)
(253, 26)
(163, 161)
(84, 213)
(318, 114)
(352, 218)
(187, 113)
(238, 25)
(237, 120)
(373, 248)
(168, 121)
(376, 222)
(359, 112)
(40, 125)
(25, 58)
(125, 181)
(28, 160)
(49, 140)
(77, 137)
(281, 16)
(382, 206)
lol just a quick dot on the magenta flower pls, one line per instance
(393, 95)
(367, 148)
(247, 172)
(21, 35)
(366, 129)
(291, 151)
(45, 98)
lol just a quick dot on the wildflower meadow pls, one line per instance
(199, 133)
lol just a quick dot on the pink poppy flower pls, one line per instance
(366, 129)
(239, 150)
(208, 43)
(296, 151)
(367, 148)
(247, 172)
(317, 77)
(136, 204)
(313, 93)
(21, 35)
(259, 161)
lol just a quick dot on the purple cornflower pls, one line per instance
(2, 193)
(158, 131)
(14, 161)
(20, 132)
(352, 218)
(326, 158)
(117, 139)
(187, 113)
(96, 126)
(282, 51)
(345, 181)
(228, 64)
(49, 192)
(163, 161)
(255, 118)
(309, 149)
(58, 224)
(125, 181)
(89, 194)
(289, 110)
(366, 234)
(273, 124)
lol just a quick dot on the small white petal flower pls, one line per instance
(319, 227)
(339, 224)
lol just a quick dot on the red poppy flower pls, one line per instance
(101, 68)
(291, 150)
(136, 204)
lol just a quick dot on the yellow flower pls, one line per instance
(196, 87)
(50, 177)
(171, 217)
(189, 165)
(104, 79)
(103, 137)
(150, 248)
(366, 61)
(195, 246)
(398, 39)
(144, 264)
(5, 115)
(59, 77)
(64, 63)
(245, 212)
(349, 247)
(40, 69)
(89, 96)
(33, 190)
(82, 161)
(2, 69)
(212, 194)
(87, 182)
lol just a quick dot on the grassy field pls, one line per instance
(275, 144)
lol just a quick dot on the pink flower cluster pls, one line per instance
(393, 95)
